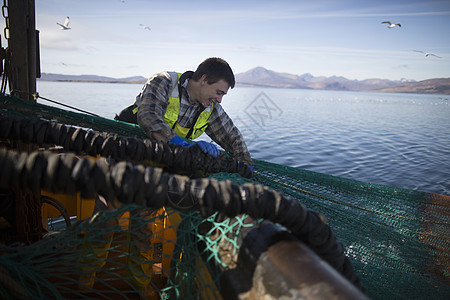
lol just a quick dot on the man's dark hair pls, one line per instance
(215, 69)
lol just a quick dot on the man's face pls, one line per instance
(212, 93)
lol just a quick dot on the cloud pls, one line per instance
(400, 67)
(261, 15)
(58, 43)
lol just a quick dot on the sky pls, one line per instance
(323, 38)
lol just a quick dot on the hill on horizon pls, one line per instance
(262, 77)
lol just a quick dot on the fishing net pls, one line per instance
(176, 220)
(398, 239)
(127, 252)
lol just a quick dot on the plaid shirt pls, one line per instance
(152, 105)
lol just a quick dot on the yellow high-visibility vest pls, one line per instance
(173, 110)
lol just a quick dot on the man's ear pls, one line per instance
(203, 80)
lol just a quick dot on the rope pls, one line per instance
(348, 204)
(175, 158)
(17, 291)
(151, 187)
(37, 96)
(16, 106)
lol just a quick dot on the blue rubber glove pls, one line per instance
(244, 171)
(208, 148)
(176, 140)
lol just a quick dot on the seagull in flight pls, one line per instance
(427, 54)
(145, 27)
(66, 24)
(391, 25)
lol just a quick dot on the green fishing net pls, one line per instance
(397, 239)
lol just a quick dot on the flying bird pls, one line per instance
(145, 27)
(391, 25)
(427, 54)
(66, 24)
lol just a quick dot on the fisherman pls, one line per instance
(173, 107)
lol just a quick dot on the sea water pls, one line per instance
(400, 140)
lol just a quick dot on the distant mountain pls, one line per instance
(266, 78)
(261, 77)
(90, 78)
(429, 86)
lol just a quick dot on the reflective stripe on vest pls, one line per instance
(173, 110)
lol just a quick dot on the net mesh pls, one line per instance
(397, 239)
(127, 252)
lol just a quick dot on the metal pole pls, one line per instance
(272, 264)
(22, 48)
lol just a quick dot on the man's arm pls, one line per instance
(159, 137)
(152, 105)
(222, 130)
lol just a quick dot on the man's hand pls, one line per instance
(206, 147)
(245, 170)
(176, 140)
